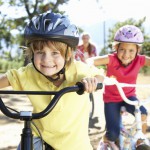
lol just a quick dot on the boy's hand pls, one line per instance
(90, 84)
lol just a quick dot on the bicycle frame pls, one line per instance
(28, 116)
(139, 134)
(91, 97)
(128, 138)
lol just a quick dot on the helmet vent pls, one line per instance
(58, 22)
(47, 24)
(36, 23)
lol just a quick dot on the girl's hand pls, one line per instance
(90, 84)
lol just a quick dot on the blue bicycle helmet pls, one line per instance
(55, 27)
(52, 26)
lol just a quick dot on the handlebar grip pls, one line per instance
(99, 86)
(81, 87)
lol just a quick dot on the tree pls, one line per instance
(7, 38)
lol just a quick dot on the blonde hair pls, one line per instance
(85, 34)
(39, 45)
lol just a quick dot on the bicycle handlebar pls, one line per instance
(113, 81)
(78, 88)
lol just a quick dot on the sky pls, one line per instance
(90, 11)
(90, 15)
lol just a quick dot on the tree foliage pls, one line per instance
(9, 25)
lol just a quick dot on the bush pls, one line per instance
(145, 70)
(6, 65)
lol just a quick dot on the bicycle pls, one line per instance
(91, 97)
(28, 116)
(128, 139)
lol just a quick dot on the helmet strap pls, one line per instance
(62, 71)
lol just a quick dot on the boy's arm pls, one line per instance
(147, 61)
(4, 81)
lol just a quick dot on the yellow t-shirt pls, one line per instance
(66, 127)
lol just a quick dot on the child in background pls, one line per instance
(51, 40)
(124, 65)
(86, 49)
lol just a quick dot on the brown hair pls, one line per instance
(90, 46)
(39, 45)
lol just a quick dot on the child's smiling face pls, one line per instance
(126, 52)
(49, 60)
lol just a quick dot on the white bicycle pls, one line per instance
(129, 139)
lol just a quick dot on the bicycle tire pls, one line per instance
(91, 97)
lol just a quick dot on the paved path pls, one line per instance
(10, 129)
(98, 122)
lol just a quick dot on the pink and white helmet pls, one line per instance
(129, 34)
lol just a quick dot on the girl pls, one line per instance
(123, 65)
(85, 50)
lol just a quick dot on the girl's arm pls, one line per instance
(4, 81)
(98, 60)
(147, 62)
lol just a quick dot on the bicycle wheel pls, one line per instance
(91, 105)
